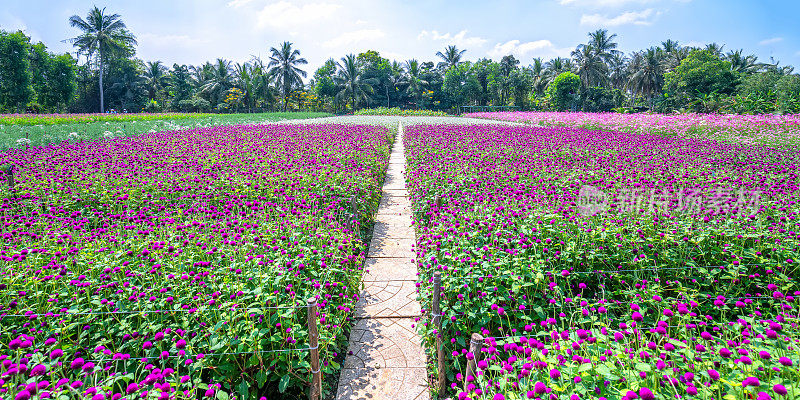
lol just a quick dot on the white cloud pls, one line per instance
(460, 39)
(769, 41)
(284, 15)
(538, 48)
(349, 39)
(643, 17)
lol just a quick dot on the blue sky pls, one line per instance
(193, 31)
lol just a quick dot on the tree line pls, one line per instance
(106, 75)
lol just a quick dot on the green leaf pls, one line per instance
(261, 378)
(643, 367)
(222, 395)
(244, 389)
(283, 383)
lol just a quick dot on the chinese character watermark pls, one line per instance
(594, 201)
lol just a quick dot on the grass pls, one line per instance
(12, 136)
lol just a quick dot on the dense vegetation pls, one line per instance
(668, 77)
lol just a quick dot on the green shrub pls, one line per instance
(562, 93)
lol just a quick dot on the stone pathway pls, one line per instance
(385, 359)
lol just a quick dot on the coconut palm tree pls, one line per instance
(591, 68)
(538, 76)
(414, 81)
(103, 35)
(450, 58)
(648, 74)
(556, 66)
(283, 64)
(618, 71)
(219, 81)
(673, 58)
(262, 90)
(715, 49)
(155, 78)
(670, 45)
(741, 63)
(351, 83)
(603, 44)
(244, 79)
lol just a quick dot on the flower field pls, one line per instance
(765, 128)
(681, 283)
(179, 264)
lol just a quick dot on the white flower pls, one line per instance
(108, 134)
(73, 135)
(23, 142)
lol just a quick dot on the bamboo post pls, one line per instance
(437, 321)
(474, 348)
(313, 335)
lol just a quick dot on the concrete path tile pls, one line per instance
(385, 358)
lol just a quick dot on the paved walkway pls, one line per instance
(386, 359)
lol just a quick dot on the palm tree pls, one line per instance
(103, 35)
(283, 67)
(219, 81)
(591, 68)
(742, 63)
(414, 81)
(670, 45)
(538, 76)
(261, 82)
(715, 49)
(450, 58)
(603, 44)
(673, 58)
(648, 75)
(351, 82)
(155, 75)
(618, 71)
(245, 81)
(394, 78)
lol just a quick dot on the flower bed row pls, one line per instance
(750, 128)
(179, 264)
(681, 281)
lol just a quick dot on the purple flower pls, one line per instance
(751, 381)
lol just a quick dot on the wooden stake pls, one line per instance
(437, 321)
(475, 348)
(10, 177)
(313, 335)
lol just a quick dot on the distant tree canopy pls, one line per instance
(596, 77)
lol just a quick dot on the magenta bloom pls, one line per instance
(555, 374)
(646, 394)
(751, 381)
(539, 388)
(780, 389)
(499, 396)
(713, 374)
